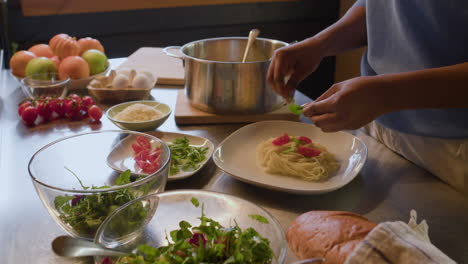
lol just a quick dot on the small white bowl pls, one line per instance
(139, 126)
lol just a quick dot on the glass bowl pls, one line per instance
(79, 188)
(44, 85)
(169, 208)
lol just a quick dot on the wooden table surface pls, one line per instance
(387, 188)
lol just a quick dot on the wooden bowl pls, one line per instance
(112, 95)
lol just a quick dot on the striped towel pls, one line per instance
(398, 242)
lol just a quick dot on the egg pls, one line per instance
(147, 73)
(120, 81)
(125, 71)
(142, 81)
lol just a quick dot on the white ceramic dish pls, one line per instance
(141, 126)
(121, 158)
(236, 156)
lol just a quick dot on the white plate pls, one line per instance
(119, 159)
(236, 155)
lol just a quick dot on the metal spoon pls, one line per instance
(312, 260)
(66, 246)
(252, 36)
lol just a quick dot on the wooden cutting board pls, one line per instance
(167, 70)
(185, 114)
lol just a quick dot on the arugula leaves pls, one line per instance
(185, 157)
(195, 201)
(208, 242)
(85, 213)
(295, 109)
(259, 218)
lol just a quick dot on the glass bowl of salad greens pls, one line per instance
(193, 226)
(80, 189)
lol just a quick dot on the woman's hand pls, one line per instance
(292, 64)
(350, 104)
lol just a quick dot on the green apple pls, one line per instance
(97, 61)
(41, 68)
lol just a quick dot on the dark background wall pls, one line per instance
(124, 32)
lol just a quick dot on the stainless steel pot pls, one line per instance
(217, 81)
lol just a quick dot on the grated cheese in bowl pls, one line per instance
(138, 113)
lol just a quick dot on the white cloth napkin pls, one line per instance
(398, 242)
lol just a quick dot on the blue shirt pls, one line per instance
(409, 35)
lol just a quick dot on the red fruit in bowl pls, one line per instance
(56, 61)
(63, 46)
(74, 67)
(89, 43)
(53, 41)
(19, 61)
(42, 50)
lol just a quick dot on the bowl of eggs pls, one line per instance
(122, 85)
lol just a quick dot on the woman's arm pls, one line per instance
(297, 61)
(350, 32)
(353, 103)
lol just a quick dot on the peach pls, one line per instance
(18, 62)
(42, 50)
(74, 67)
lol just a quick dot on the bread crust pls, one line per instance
(329, 234)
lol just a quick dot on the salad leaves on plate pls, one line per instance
(185, 157)
(209, 242)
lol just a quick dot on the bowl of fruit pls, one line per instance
(80, 189)
(80, 60)
(193, 226)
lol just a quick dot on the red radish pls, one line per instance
(88, 100)
(144, 142)
(136, 147)
(308, 152)
(281, 140)
(29, 115)
(44, 110)
(95, 113)
(22, 106)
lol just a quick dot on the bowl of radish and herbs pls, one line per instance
(79, 189)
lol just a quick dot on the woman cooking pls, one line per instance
(413, 92)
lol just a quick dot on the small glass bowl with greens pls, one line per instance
(193, 226)
(78, 187)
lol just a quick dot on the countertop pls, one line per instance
(386, 189)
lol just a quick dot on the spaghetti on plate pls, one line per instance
(297, 157)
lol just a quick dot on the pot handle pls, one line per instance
(168, 53)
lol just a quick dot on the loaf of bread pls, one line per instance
(332, 235)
